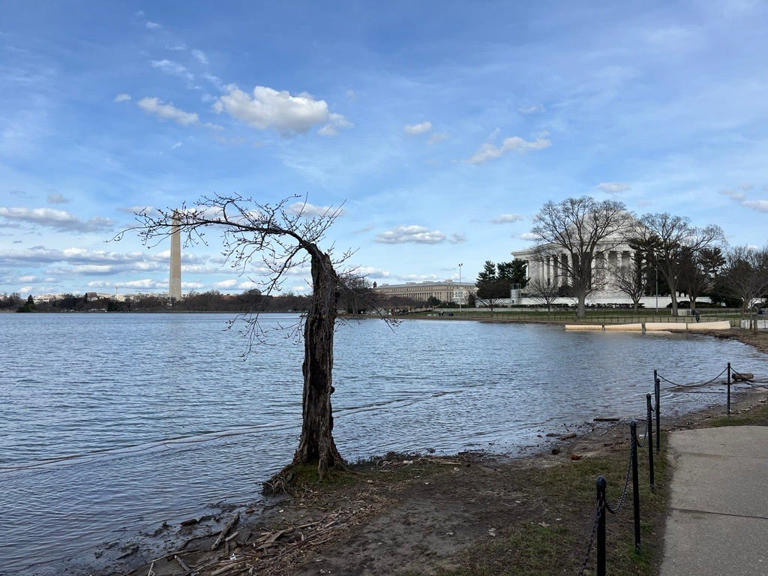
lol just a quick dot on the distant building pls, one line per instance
(446, 291)
(174, 281)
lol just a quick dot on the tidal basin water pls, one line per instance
(113, 424)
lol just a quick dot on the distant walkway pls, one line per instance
(718, 522)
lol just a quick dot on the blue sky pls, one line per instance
(442, 126)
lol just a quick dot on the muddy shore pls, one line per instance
(471, 513)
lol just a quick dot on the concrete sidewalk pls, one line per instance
(718, 521)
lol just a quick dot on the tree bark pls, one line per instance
(316, 444)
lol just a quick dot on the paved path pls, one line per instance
(718, 522)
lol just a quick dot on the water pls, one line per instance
(112, 424)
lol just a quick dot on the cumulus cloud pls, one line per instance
(173, 68)
(420, 128)
(152, 25)
(158, 108)
(411, 235)
(56, 198)
(506, 219)
(230, 283)
(457, 238)
(266, 108)
(489, 151)
(529, 236)
(56, 219)
(741, 199)
(100, 262)
(122, 98)
(612, 187)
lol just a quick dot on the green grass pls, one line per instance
(555, 543)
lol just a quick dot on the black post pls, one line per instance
(729, 388)
(649, 440)
(635, 488)
(657, 394)
(600, 484)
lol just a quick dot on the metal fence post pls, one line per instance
(635, 489)
(657, 394)
(729, 388)
(649, 440)
(600, 485)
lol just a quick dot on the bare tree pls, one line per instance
(543, 291)
(667, 238)
(284, 237)
(630, 279)
(583, 228)
(746, 274)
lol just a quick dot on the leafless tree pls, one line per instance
(668, 238)
(543, 291)
(746, 274)
(283, 236)
(630, 279)
(583, 228)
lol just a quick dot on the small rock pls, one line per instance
(555, 451)
(492, 532)
(575, 457)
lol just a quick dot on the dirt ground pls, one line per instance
(472, 513)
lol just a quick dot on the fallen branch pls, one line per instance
(223, 534)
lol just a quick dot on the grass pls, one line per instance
(556, 541)
(756, 417)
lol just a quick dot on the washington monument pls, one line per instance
(174, 283)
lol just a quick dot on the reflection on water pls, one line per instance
(111, 424)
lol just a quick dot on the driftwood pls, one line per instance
(223, 534)
(182, 564)
(151, 569)
(743, 376)
(606, 419)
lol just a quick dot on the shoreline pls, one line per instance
(363, 499)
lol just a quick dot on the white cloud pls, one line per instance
(531, 109)
(489, 151)
(122, 98)
(420, 128)
(612, 187)
(231, 283)
(56, 198)
(741, 198)
(759, 205)
(311, 210)
(411, 235)
(335, 123)
(507, 219)
(528, 236)
(457, 238)
(158, 108)
(152, 25)
(176, 145)
(173, 68)
(56, 219)
(200, 56)
(27, 279)
(268, 108)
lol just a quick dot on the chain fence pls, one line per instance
(646, 440)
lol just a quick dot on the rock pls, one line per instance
(575, 457)
(555, 451)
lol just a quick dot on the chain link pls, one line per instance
(617, 507)
(591, 541)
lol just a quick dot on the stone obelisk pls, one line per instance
(174, 283)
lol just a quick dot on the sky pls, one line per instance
(441, 128)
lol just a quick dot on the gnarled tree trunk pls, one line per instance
(316, 443)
